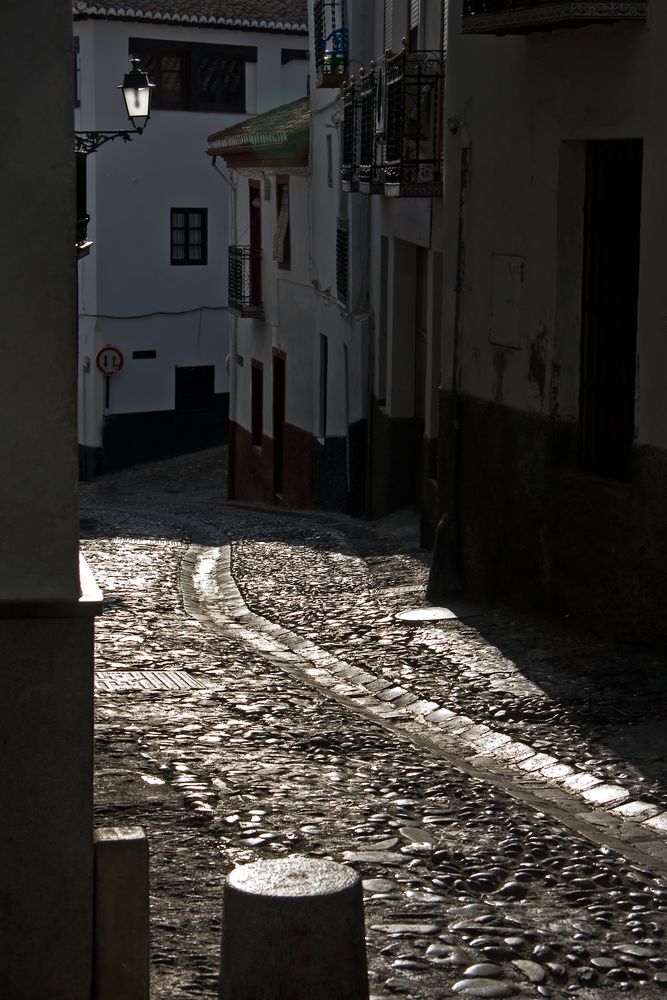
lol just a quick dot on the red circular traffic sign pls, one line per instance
(109, 360)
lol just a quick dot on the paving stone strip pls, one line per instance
(211, 596)
(468, 889)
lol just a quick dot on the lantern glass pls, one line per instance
(137, 95)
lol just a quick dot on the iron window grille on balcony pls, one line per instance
(392, 127)
(245, 297)
(331, 42)
(412, 150)
(367, 125)
(500, 17)
(342, 261)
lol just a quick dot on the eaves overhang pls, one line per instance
(280, 137)
(178, 14)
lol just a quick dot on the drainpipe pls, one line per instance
(446, 573)
(233, 330)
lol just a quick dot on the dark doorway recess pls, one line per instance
(278, 423)
(195, 387)
(609, 306)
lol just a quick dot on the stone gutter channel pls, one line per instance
(602, 811)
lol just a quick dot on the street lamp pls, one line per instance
(137, 94)
(136, 89)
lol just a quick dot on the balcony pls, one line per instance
(392, 127)
(412, 154)
(245, 282)
(505, 17)
(369, 98)
(331, 43)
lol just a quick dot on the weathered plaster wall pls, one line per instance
(533, 524)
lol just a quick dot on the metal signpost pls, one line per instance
(109, 361)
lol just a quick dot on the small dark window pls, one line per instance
(189, 236)
(329, 161)
(143, 355)
(77, 72)
(195, 388)
(193, 76)
(257, 402)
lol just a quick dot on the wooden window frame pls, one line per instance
(191, 56)
(186, 260)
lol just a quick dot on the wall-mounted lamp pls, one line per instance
(136, 89)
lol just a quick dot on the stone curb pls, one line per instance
(211, 596)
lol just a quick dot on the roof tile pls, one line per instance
(276, 15)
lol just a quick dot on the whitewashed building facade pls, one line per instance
(154, 283)
(360, 372)
(554, 305)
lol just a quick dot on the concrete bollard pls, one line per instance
(121, 945)
(293, 929)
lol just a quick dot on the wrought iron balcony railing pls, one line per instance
(331, 42)
(367, 127)
(392, 127)
(245, 282)
(413, 124)
(502, 17)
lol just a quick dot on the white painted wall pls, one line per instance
(130, 294)
(527, 121)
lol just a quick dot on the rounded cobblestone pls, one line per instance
(457, 874)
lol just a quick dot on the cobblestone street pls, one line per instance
(499, 781)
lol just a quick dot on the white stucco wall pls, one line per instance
(130, 294)
(529, 104)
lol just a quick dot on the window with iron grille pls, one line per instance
(193, 76)
(342, 260)
(413, 123)
(189, 235)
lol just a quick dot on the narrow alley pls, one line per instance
(499, 781)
